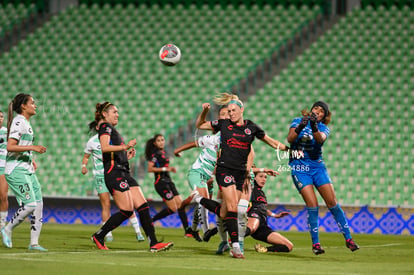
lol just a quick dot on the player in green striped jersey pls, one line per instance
(4, 188)
(20, 170)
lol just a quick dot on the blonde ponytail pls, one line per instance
(226, 98)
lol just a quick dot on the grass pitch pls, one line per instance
(72, 252)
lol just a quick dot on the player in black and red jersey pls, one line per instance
(159, 164)
(124, 189)
(257, 220)
(233, 168)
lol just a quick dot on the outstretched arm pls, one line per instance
(274, 143)
(184, 147)
(201, 122)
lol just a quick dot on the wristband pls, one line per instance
(83, 165)
(261, 170)
(164, 169)
(273, 215)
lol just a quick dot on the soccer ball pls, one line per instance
(169, 55)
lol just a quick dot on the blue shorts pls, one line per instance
(304, 175)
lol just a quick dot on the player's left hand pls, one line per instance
(281, 214)
(313, 122)
(131, 153)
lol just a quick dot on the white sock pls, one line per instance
(36, 220)
(3, 218)
(135, 224)
(242, 218)
(196, 217)
(20, 215)
(204, 218)
(220, 226)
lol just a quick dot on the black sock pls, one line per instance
(113, 222)
(146, 223)
(183, 218)
(278, 248)
(211, 205)
(162, 214)
(231, 223)
(248, 232)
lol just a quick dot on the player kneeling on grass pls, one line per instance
(257, 220)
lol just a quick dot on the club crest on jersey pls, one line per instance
(247, 131)
(228, 179)
(27, 195)
(123, 185)
(214, 122)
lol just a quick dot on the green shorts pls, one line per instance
(25, 186)
(197, 179)
(99, 185)
(1, 170)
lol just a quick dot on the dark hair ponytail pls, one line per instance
(16, 106)
(99, 109)
(150, 146)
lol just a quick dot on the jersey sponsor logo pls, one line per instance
(30, 131)
(237, 135)
(118, 179)
(262, 199)
(247, 131)
(230, 127)
(238, 144)
(214, 122)
(17, 123)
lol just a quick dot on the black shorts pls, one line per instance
(262, 219)
(119, 180)
(226, 177)
(262, 232)
(166, 188)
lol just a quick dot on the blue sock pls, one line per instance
(313, 223)
(341, 220)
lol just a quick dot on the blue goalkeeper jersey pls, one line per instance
(305, 142)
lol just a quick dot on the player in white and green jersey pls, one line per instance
(20, 171)
(4, 188)
(93, 148)
(200, 175)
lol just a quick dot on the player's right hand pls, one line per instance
(206, 106)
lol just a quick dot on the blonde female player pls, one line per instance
(20, 170)
(4, 188)
(93, 148)
(237, 135)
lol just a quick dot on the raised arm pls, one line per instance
(184, 147)
(201, 122)
(274, 143)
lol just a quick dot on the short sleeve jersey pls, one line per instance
(113, 160)
(305, 141)
(207, 159)
(3, 146)
(258, 201)
(160, 159)
(236, 142)
(93, 147)
(22, 131)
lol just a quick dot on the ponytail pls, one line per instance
(226, 98)
(99, 109)
(15, 105)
